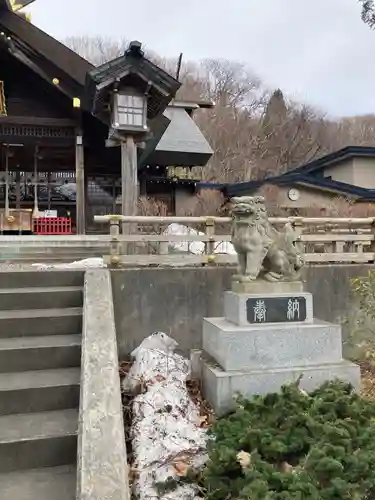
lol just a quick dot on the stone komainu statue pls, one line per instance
(262, 250)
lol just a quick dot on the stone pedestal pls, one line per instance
(268, 338)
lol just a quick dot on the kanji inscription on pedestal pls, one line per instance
(276, 310)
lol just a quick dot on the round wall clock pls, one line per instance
(293, 194)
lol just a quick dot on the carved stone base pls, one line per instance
(257, 347)
(267, 287)
(220, 386)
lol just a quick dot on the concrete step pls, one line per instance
(43, 258)
(50, 278)
(45, 249)
(37, 297)
(38, 322)
(52, 483)
(30, 261)
(20, 354)
(33, 440)
(38, 391)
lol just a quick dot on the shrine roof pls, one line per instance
(121, 65)
(34, 39)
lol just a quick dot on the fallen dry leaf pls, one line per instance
(367, 381)
(181, 468)
(244, 459)
(205, 410)
(285, 467)
(204, 422)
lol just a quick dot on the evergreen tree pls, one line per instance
(294, 446)
(275, 113)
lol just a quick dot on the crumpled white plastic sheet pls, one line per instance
(166, 424)
(195, 247)
(92, 262)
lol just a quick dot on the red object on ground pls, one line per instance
(52, 225)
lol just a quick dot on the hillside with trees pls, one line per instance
(255, 131)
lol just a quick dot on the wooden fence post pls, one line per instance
(114, 231)
(210, 232)
(298, 228)
(163, 248)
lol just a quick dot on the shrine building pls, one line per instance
(67, 128)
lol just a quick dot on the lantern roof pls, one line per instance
(177, 139)
(131, 70)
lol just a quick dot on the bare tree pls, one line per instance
(287, 136)
(254, 133)
(341, 206)
(230, 83)
(368, 12)
(151, 207)
(96, 49)
(206, 202)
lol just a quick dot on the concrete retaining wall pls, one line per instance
(176, 300)
(102, 469)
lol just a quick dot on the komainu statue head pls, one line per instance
(247, 206)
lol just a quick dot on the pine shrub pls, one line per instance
(296, 446)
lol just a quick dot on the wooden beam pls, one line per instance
(36, 120)
(80, 184)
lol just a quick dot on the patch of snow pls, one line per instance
(92, 262)
(165, 431)
(195, 247)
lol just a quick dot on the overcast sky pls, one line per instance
(318, 51)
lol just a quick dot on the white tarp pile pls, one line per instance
(93, 262)
(166, 436)
(195, 247)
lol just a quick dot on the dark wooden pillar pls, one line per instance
(7, 181)
(114, 192)
(80, 185)
(129, 180)
(18, 189)
(49, 190)
(36, 183)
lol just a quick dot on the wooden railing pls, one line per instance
(324, 239)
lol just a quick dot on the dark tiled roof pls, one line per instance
(293, 178)
(308, 174)
(115, 68)
(48, 47)
(339, 187)
(335, 157)
(211, 185)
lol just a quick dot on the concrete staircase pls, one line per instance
(52, 249)
(40, 357)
